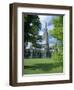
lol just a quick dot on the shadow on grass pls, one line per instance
(44, 66)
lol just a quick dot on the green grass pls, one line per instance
(44, 65)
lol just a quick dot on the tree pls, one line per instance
(32, 26)
(57, 31)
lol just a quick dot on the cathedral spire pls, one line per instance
(47, 41)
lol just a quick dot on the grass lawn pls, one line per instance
(44, 65)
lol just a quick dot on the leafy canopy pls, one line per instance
(32, 26)
(57, 31)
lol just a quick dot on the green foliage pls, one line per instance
(31, 27)
(57, 56)
(57, 31)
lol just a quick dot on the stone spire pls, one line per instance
(46, 39)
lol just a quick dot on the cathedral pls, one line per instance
(44, 51)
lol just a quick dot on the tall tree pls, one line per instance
(57, 31)
(31, 28)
